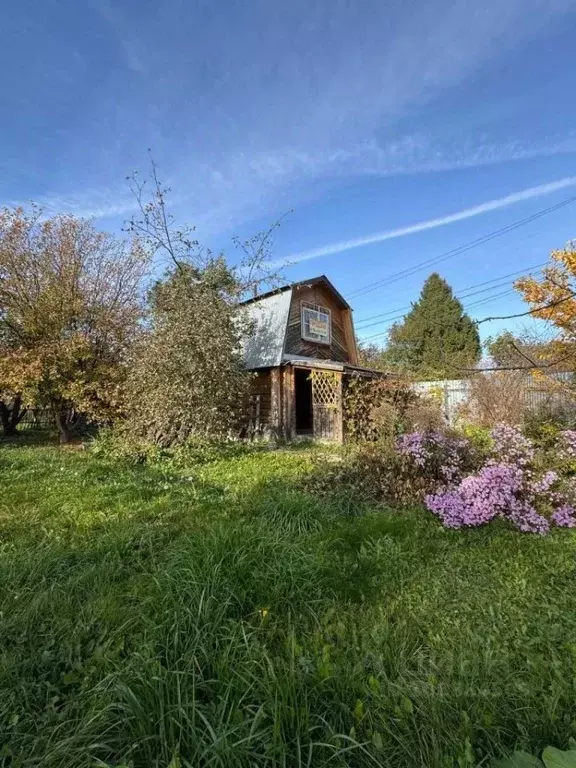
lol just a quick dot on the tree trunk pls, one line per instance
(12, 416)
(5, 417)
(61, 417)
(68, 421)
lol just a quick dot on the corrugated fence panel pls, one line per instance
(454, 393)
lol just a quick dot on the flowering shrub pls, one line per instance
(510, 445)
(497, 490)
(566, 444)
(510, 486)
(565, 517)
(437, 456)
(465, 484)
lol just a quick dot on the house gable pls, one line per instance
(278, 333)
(339, 343)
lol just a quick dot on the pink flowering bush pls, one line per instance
(566, 444)
(462, 482)
(510, 445)
(437, 456)
(510, 485)
(497, 490)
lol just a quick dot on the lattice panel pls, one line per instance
(326, 388)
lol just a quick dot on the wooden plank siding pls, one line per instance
(261, 385)
(276, 400)
(340, 347)
(288, 395)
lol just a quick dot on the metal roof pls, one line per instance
(264, 346)
(301, 283)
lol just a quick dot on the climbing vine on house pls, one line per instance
(374, 408)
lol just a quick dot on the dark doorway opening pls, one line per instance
(303, 396)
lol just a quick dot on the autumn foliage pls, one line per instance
(187, 378)
(552, 298)
(69, 308)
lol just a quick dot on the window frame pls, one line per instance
(319, 309)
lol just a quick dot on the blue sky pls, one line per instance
(365, 119)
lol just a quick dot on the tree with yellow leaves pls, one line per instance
(70, 305)
(553, 298)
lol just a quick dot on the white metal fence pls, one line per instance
(454, 393)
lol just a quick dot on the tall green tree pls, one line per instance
(437, 338)
(187, 378)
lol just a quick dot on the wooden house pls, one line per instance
(302, 349)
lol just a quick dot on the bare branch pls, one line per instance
(155, 224)
(529, 312)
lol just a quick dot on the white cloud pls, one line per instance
(249, 118)
(219, 193)
(422, 226)
(90, 204)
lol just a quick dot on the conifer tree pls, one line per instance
(436, 337)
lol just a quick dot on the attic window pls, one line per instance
(316, 323)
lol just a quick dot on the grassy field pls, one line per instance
(218, 616)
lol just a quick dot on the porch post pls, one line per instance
(276, 401)
(288, 402)
(339, 436)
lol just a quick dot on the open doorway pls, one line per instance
(303, 396)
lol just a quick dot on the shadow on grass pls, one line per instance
(27, 438)
(147, 613)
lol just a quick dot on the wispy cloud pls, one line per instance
(209, 190)
(442, 221)
(251, 127)
(90, 204)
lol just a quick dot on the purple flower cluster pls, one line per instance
(497, 490)
(565, 517)
(435, 454)
(543, 485)
(508, 486)
(511, 447)
(566, 444)
(416, 445)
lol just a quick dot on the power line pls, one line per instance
(369, 287)
(463, 294)
(489, 299)
(529, 312)
(475, 304)
(460, 249)
(408, 307)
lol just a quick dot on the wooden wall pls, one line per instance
(342, 347)
(262, 385)
(275, 404)
(277, 415)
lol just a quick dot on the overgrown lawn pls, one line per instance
(218, 615)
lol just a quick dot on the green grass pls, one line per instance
(216, 615)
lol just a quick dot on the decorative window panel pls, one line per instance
(316, 323)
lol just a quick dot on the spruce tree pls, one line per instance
(436, 337)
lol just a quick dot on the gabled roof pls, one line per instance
(269, 314)
(320, 280)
